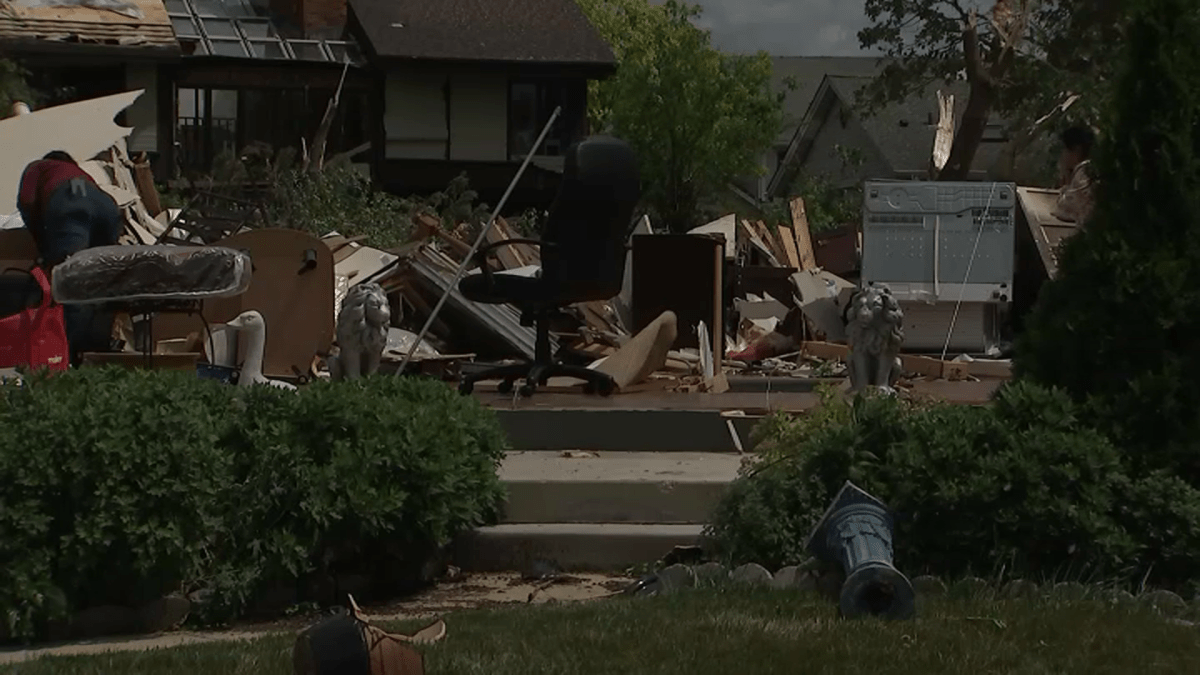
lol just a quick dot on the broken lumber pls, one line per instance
(804, 245)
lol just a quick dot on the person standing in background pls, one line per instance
(1075, 179)
(66, 212)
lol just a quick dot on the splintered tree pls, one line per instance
(1021, 58)
(1120, 326)
(697, 117)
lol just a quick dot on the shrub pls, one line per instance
(121, 486)
(1118, 327)
(1019, 484)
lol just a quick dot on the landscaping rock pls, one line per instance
(675, 578)
(1118, 597)
(710, 574)
(1020, 588)
(972, 587)
(1070, 590)
(104, 621)
(752, 574)
(164, 614)
(786, 577)
(1164, 601)
(928, 585)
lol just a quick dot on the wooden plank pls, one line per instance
(757, 242)
(528, 254)
(804, 245)
(789, 245)
(772, 241)
(505, 254)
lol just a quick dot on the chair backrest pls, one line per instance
(590, 222)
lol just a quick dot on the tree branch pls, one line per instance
(976, 72)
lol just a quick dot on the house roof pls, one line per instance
(509, 31)
(808, 72)
(903, 132)
(137, 23)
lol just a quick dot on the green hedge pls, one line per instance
(121, 486)
(1019, 486)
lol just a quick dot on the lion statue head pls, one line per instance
(875, 321)
(364, 318)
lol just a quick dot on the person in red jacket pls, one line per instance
(66, 212)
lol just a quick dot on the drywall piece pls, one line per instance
(726, 227)
(643, 354)
(769, 308)
(822, 297)
(83, 130)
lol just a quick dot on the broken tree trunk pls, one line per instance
(984, 79)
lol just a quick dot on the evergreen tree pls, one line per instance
(1120, 326)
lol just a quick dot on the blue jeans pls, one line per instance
(78, 215)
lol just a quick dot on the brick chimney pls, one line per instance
(311, 19)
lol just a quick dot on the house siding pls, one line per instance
(143, 114)
(478, 117)
(414, 111)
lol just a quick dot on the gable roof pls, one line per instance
(133, 24)
(809, 72)
(505, 31)
(902, 132)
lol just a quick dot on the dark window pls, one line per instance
(530, 104)
(212, 121)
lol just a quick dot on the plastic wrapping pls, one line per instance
(149, 273)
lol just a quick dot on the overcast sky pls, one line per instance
(783, 28)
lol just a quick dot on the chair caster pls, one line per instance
(505, 386)
(466, 387)
(526, 390)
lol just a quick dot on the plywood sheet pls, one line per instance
(297, 303)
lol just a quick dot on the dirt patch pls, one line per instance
(472, 592)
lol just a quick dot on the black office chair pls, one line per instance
(583, 259)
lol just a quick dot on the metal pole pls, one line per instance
(462, 267)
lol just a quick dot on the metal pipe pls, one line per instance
(462, 267)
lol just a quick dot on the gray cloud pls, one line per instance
(796, 28)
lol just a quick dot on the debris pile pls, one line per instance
(733, 298)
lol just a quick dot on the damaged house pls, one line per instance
(429, 89)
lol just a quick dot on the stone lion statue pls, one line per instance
(875, 331)
(362, 332)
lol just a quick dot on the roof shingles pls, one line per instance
(520, 31)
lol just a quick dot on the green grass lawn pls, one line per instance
(737, 630)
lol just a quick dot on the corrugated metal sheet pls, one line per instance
(1048, 232)
(88, 25)
(502, 320)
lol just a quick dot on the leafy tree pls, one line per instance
(1022, 58)
(697, 117)
(1120, 325)
(13, 86)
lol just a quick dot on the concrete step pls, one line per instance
(628, 430)
(575, 547)
(615, 487)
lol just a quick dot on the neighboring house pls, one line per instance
(74, 52)
(430, 88)
(895, 142)
(468, 85)
(821, 127)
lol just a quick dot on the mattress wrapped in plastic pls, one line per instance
(127, 273)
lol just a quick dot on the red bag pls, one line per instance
(36, 337)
